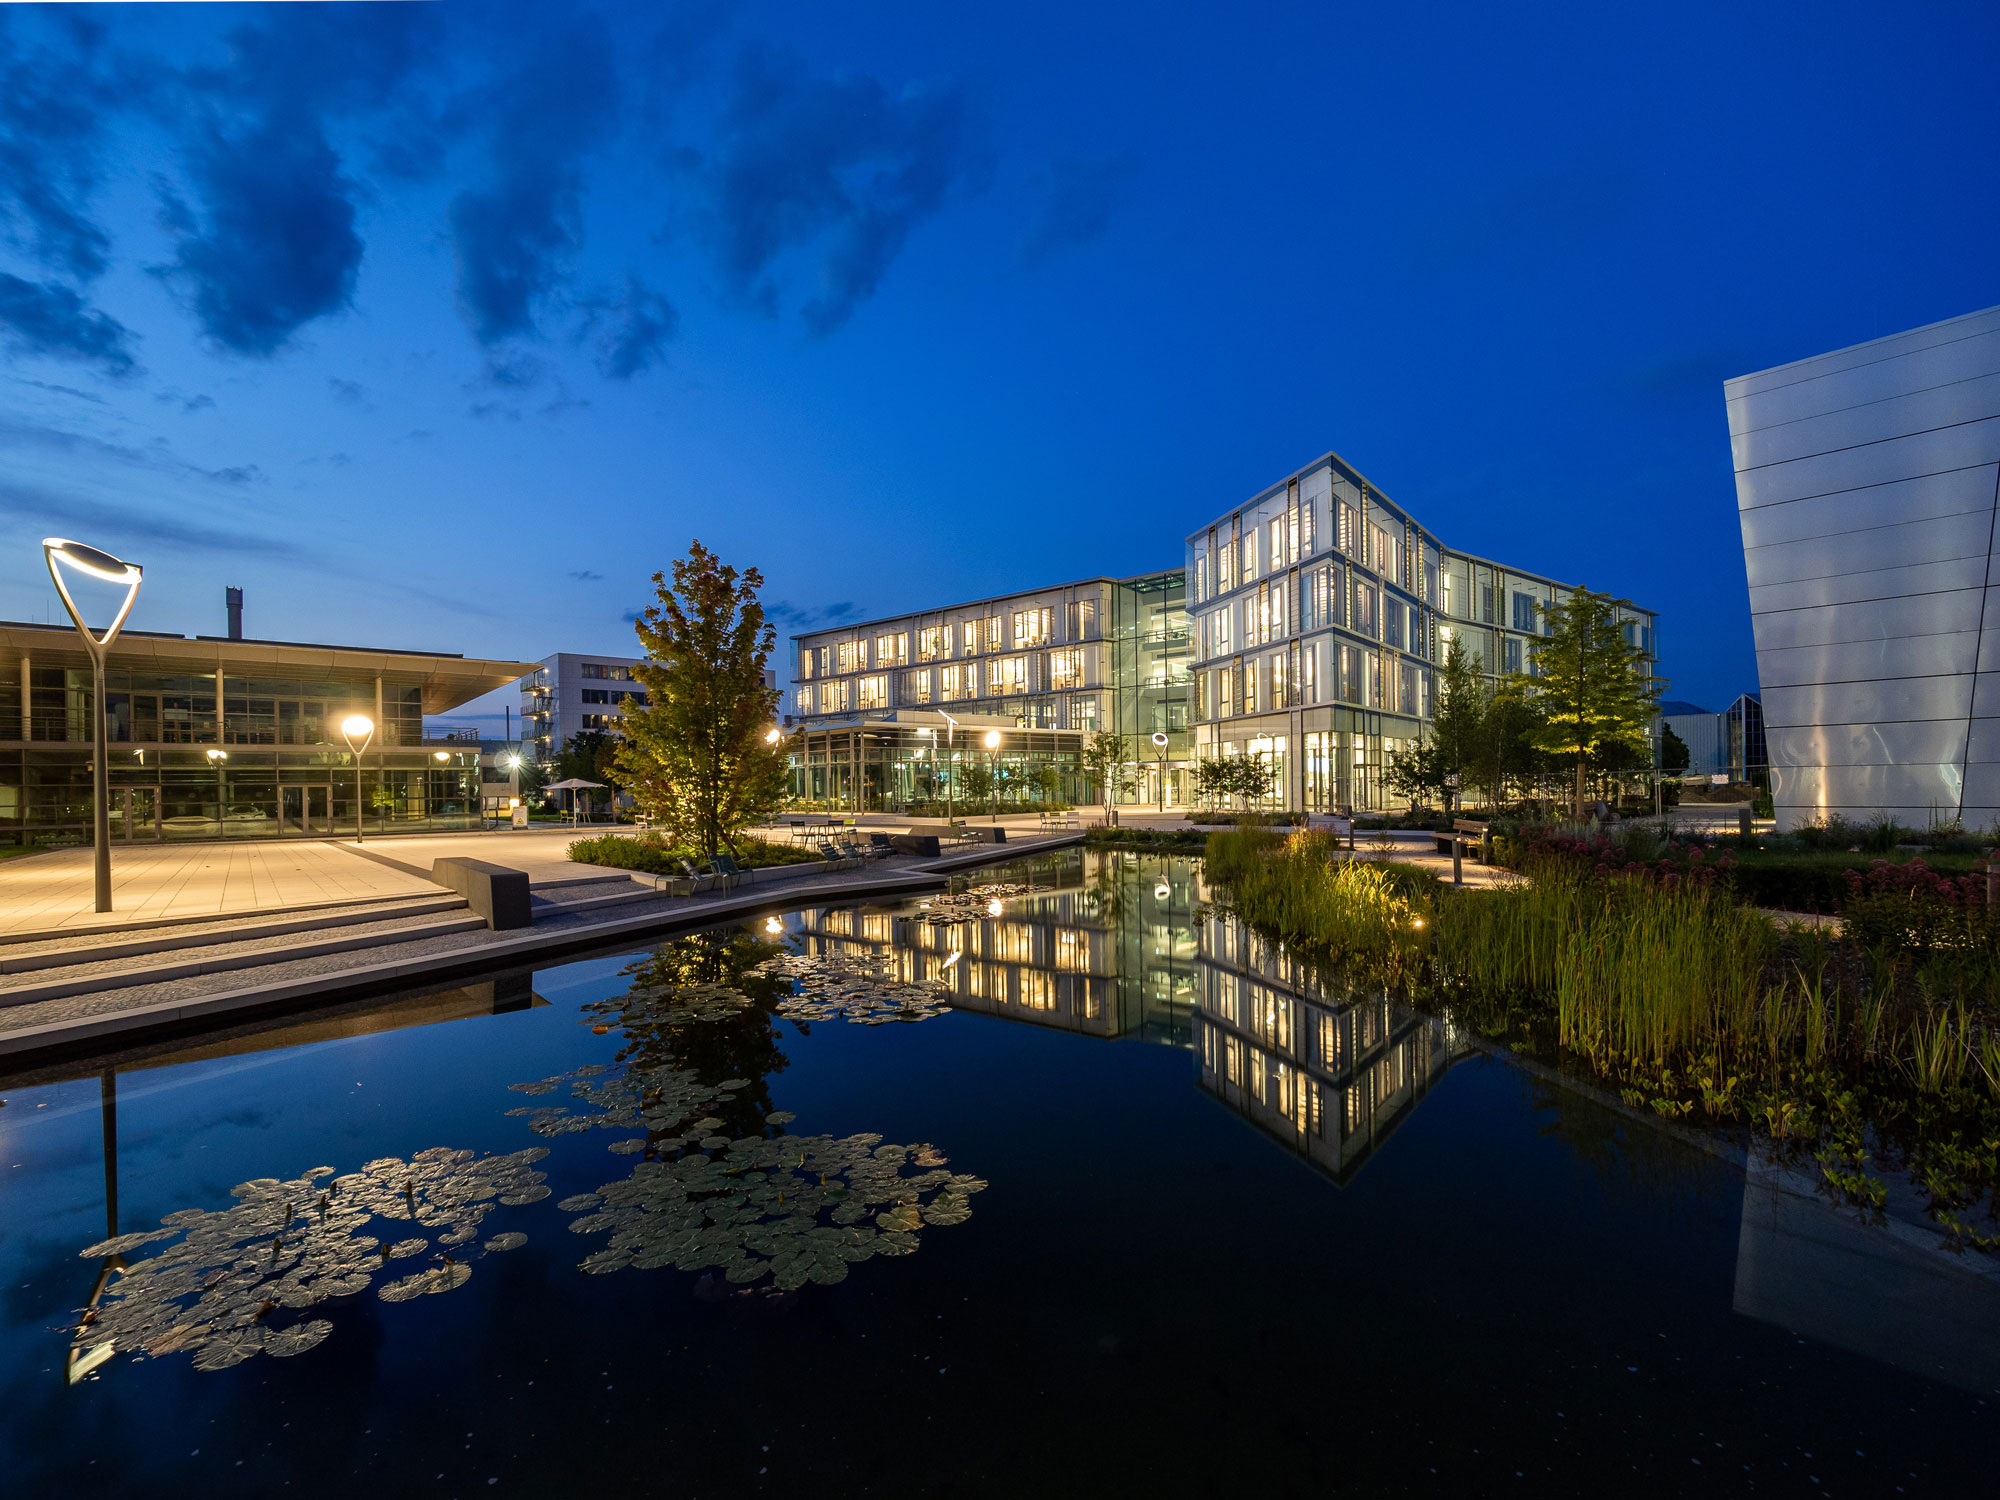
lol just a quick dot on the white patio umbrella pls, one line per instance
(573, 785)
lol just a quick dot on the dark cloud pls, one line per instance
(274, 245)
(631, 331)
(514, 238)
(46, 319)
(60, 390)
(55, 96)
(187, 404)
(1077, 196)
(119, 525)
(837, 166)
(792, 617)
(347, 392)
(269, 242)
(155, 456)
(586, 576)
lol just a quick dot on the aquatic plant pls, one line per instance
(795, 1208)
(236, 1278)
(864, 988)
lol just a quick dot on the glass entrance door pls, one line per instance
(142, 812)
(305, 809)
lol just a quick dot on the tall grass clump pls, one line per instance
(1370, 917)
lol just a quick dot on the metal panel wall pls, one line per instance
(1867, 482)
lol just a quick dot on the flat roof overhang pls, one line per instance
(447, 680)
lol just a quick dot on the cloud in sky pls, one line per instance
(132, 523)
(1076, 198)
(631, 331)
(54, 98)
(49, 319)
(791, 618)
(838, 168)
(515, 236)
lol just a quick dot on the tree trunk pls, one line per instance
(1579, 789)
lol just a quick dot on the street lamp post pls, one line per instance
(357, 727)
(100, 565)
(1160, 744)
(951, 731)
(993, 775)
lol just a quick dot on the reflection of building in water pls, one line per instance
(1103, 946)
(1330, 1075)
(1885, 1291)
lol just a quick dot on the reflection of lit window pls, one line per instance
(1038, 989)
(877, 927)
(1072, 951)
(1013, 942)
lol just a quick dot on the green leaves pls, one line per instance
(221, 1294)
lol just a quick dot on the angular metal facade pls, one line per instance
(1866, 486)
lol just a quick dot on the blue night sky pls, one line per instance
(447, 324)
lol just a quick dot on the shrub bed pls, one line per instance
(652, 854)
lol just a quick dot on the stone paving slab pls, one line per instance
(56, 891)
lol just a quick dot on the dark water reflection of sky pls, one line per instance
(1238, 1238)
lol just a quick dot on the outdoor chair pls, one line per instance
(836, 857)
(726, 865)
(689, 883)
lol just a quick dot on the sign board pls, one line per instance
(520, 815)
(1720, 778)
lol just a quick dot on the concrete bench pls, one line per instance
(498, 894)
(924, 844)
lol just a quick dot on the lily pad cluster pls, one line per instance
(234, 1283)
(863, 988)
(969, 904)
(794, 1208)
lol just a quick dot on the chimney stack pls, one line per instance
(234, 599)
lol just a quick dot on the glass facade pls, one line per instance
(1319, 612)
(873, 705)
(212, 739)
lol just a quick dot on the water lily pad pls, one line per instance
(513, 1239)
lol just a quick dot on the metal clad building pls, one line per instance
(1866, 487)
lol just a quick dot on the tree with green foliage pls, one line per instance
(1209, 781)
(1674, 753)
(700, 754)
(1504, 753)
(1107, 761)
(1418, 773)
(1590, 685)
(1451, 746)
(1252, 776)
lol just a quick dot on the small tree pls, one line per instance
(1252, 777)
(1590, 685)
(697, 755)
(1418, 772)
(1673, 751)
(1209, 781)
(1107, 761)
(1460, 714)
(975, 781)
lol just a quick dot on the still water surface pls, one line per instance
(1140, 1210)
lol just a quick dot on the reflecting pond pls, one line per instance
(1059, 1181)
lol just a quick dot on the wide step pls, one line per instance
(81, 948)
(223, 957)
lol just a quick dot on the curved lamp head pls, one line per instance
(992, 739)
(59, 552)
(440, 756)
(217, 757)
(357, 727)
(773, 737)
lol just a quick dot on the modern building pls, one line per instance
(218, 737)
(567, 694)
(1319, 611)
(1730, 744)
(1866, 490)
(886, 711)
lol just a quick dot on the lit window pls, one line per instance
(851, 657)
(1031, 627)
(892, 650)
(992, 632)
(1013, 676)
(1083, 713)
(930, 643)
(805, 700)
(872, 692)
(968, 643)
(917, 687)
(1065, 670)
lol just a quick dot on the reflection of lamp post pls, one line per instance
(100, 565)
(219, 759)
(948, 737)
(1160, 744)
(993, 775)
(357, 727)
